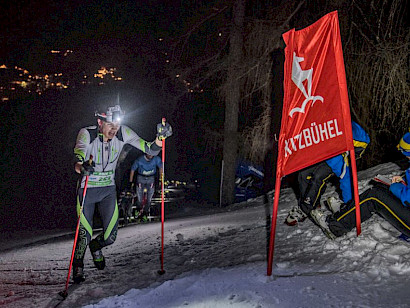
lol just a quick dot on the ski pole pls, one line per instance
(64, 293)
(162, 271)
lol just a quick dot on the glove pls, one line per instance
(87, 167)
(164, 130)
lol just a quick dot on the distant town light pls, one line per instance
(40, 83)
(67, 52)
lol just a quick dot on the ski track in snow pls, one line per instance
(370, 269)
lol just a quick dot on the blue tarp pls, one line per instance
(248, 182)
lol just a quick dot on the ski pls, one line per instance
(329, 234)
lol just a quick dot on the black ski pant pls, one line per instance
(312, 185)
(106, 200)
(146, 183)
(374, 200)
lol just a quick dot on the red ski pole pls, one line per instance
(162, 271)
(64, 293)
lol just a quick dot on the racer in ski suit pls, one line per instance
(103, 143)
(390, 202)
(312, 180)
(146, 166)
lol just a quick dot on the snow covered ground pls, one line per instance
(219, 260)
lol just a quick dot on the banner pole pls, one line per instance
(273, 224)
(162, 271)
(356, 192)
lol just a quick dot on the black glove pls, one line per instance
(164, 130)
(87, 168)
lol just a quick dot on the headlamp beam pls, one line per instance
(113, 115)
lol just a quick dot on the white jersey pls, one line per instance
(105, 154)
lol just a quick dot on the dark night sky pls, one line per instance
(103, 32)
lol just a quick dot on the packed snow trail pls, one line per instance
(31, 275)
(369, 270)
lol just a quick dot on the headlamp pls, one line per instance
(113, 114)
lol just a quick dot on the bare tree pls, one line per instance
(376, 47)
(242, 66)
(208, 55)
(264, 36)
(377, 68)
(232, 93)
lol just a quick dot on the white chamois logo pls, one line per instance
(298, 76)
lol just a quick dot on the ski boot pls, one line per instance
(319, 218)
(333, 204)
(143, 218)
(295, 216)
(78, 274)
(98, 257)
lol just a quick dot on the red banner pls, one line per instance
(316, 123)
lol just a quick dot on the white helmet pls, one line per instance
(113, 114)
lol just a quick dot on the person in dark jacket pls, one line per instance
(146, 168)
(313, 180)
(390, 202)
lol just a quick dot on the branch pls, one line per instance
(367, 23)
(197, 25)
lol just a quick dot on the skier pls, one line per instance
(392, 203)
(104, 144)
(312, 180)
(125, 202)
(146, 167)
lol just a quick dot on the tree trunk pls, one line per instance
(271, 157)
(233, 96)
